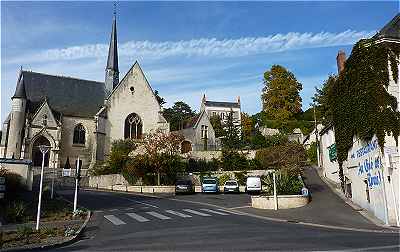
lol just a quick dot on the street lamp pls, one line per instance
(43, 149)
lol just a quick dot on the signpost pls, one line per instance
(77, 178)
(44, 149)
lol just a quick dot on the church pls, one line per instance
(79, 118)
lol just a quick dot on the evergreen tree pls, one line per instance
(178, 114)
(231, 139)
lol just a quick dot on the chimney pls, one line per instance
(340, 60)
(238, 99)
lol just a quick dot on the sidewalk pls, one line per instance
(49, 224)
(325, 208)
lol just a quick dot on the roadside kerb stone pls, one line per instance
(284, 201)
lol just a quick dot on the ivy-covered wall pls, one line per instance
(360, 103)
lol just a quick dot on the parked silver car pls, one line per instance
(231, 186)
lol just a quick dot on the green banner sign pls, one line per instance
(332, 152)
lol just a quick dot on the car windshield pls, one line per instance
(231, 183)
(209, 181)
(183, 182)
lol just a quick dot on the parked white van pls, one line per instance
(253, 185)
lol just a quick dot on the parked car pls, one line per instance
(253, 185)
(231, 186)
(210, 185)
(184, 186)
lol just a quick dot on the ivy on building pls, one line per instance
(361, 105)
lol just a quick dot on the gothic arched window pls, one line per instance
(133, 127)
(79, 134)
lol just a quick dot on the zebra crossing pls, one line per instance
(164, 215)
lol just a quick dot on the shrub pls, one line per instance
(119, 154)
(241, 177)
(172, 165)
(222, 179)
(202, 165)
(15, 211)
(290, 157)
(312, 153)
(286, 184)
(100, 168)
(234, 161)
(14, 184)
(23, 232)
(135, 169)
(275, 140)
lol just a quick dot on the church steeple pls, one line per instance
(112, 71)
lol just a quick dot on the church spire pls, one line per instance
(112, 71)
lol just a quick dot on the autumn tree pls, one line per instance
(247, 127)
(215, 121)
(159, 146)
(178, 114)
(281, 93)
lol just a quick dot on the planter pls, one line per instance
(284, 201)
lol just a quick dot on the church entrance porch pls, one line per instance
(37, 155)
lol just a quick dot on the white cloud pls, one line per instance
(204, 47)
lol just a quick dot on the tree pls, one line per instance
(281, 93)
(178, 114)
(159, 147)
(247, 127)
(160, 99)
(215, 121)
(323, 100)
(231, 138)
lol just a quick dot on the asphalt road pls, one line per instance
(125, 222)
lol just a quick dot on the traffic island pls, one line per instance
(283, 201)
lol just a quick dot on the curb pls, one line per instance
(355, 207)
(234, 211)
(58, 244)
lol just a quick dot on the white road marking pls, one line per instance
(160, 216)
(137, 217)
(113, 210)
(196, 212)
(178, 214)
(231, 212)
(129, 208)
(212, 211)
(139, 202)
(114, 220)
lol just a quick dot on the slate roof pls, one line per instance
(391, 30)
(65, 95)
(222, 104)
(112, 61)
(20, 89)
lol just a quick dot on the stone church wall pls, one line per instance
(133, 95)
(68, 149)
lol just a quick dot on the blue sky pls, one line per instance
(187, 48)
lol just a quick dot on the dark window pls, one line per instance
(79, 134)
(367, 191)
(133, 127)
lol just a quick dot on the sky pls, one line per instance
(187, 49)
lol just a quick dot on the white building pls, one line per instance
(222, 109)
(371, 176)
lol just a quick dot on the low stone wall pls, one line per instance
(209, 155)
(107, 181)
(284, 201)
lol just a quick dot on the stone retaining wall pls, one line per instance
(284, 201)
